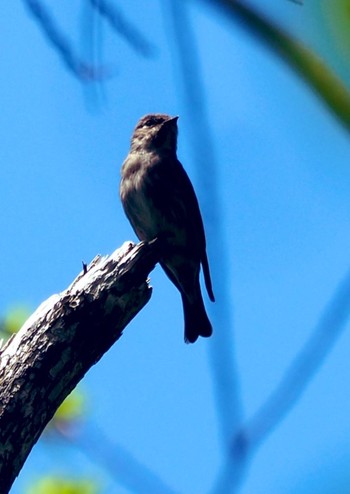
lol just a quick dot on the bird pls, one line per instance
(160, 202)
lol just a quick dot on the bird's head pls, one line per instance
(155, 132)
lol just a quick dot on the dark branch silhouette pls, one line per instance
(122, 26)
(82, 70)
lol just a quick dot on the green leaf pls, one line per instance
(59, 485)
(68, 414)
(315, 72)
(14, 319)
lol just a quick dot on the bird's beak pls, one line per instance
(171, 121)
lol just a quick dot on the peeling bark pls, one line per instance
(58, 344)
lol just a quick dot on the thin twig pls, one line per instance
(123, 27)
(82, 70)
(301, 370)
(120, 464)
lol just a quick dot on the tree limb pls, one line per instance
(58, 344)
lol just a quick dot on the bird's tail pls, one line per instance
(196, 320)
(207, 277)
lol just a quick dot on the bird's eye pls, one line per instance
(150, 122)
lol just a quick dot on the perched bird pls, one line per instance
(160, 202)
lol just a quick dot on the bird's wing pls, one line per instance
(172, 193)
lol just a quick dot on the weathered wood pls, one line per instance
(64, 337)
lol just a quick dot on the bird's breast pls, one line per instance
(149, 202)
(136, 200)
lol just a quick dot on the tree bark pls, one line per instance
(58, 344)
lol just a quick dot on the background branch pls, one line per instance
(303, 60)
(118, 461)
(282, 400)
(123, 27)
(81, 69)
(222, 354)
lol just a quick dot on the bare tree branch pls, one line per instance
(58, 344)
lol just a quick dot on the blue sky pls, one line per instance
(284, 182)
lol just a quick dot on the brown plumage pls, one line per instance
(159, 201)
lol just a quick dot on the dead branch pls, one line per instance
(58, 344)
